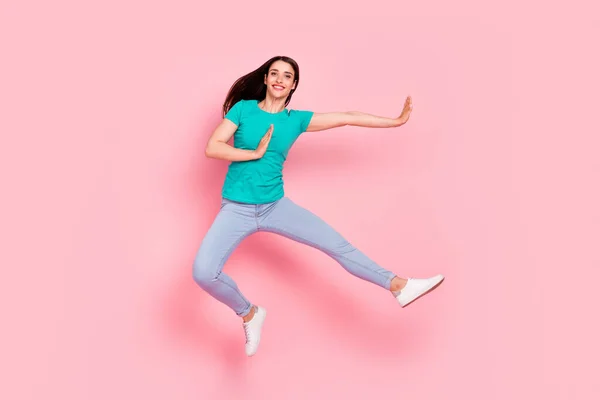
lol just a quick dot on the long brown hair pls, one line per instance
(252, 85)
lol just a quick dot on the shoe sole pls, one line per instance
(431, 289)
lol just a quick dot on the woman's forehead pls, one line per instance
(282, 66)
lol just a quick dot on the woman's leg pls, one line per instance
(232, 224)
(290, 220)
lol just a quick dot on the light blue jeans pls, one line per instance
(235, 221)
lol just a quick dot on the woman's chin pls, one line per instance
(277, 95)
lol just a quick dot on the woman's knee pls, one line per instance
(339, 247)
(202, 272)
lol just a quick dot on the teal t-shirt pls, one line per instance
(261, 181)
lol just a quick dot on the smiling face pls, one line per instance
(280, 80)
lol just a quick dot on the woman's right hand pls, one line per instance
(264, 143)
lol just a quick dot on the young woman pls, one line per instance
(253, 197)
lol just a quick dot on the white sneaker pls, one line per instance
(253, 329)
(416, 288)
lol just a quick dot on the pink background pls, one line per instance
(106, 108)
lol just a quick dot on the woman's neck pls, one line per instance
(272, 105)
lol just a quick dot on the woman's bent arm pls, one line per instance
(218, 148)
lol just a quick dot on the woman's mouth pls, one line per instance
(278, 87)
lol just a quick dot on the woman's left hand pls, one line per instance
(403, 118)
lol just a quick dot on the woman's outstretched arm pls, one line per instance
(323, 121)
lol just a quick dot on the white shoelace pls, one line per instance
(247, 332)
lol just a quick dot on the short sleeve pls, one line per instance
(304, 117)
(235, 113)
